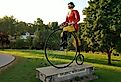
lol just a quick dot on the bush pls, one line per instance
(19, 43)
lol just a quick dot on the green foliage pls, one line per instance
(19, 43)
(53, 25)
(15, 28)
(4, 40)
(29, 42)
(37, 39)
(7, 24)
(102, 25)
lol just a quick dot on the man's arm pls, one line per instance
(77, 16)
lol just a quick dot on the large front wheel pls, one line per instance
(54, 53)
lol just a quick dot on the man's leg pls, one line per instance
(78, 44)
(64, 39)
(64, 35)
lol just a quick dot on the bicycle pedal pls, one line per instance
(61, 49)
(64, 43)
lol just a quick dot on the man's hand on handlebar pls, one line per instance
(66, 24)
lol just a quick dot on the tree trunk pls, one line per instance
(2, 46)
(109, 57)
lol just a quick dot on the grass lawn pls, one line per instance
(28, 60)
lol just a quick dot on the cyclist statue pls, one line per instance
(70, 41)
(70, 25)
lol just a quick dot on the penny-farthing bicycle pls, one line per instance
(55, 55)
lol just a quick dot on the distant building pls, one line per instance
(26, 34)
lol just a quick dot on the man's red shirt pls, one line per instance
(73, 17)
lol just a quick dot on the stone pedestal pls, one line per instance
(51, 74)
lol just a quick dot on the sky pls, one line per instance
(48, 10)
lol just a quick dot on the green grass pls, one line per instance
(29, 60)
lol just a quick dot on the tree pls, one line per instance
(40, 34)
(7, 24)
(19, 43)
(21, 27)
(102, 26)
(53, 25)
(4, 39)
(29, 42)
(37, 40)
(15, 28)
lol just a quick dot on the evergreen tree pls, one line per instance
(102, 28)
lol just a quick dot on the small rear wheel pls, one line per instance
(80, 59)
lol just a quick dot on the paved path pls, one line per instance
(6, 59)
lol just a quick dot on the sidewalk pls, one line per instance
(6, 59)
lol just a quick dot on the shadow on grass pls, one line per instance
(24, 70)
(103, 61)
(105, 75)
(94, 60)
